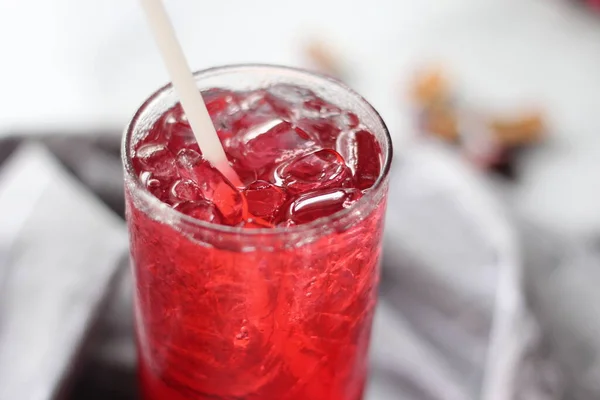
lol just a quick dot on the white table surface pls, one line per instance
(72, 64)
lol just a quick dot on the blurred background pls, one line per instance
(493, 109)
(74, 66)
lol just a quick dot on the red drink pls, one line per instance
(267, 291)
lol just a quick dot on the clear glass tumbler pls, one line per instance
(234, 313)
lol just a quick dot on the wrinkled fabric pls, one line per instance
(450, 323)
(59, 256)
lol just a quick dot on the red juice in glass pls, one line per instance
(266, 291)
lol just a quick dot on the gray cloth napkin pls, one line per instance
(59, 252)
(450, 283)
(561, 283)
(450, 260)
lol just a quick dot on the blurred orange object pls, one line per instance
(526, 129)
(487, 140)
(431, 91)
(442, 121)
(431, 87)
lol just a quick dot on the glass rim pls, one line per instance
(312, 226)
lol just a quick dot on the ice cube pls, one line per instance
(264, 199)
(154, 186)
(325, 121)
(222, 105)
(213, 185)
(317, 170)
(319, 108)
(257, 109)
(187, 159)
(182, 137)
(252, 100)
(321, 203)
(346, 120)
(264, 146)
(219, 101)
(156, 158)
(246, 175)
(290, 94)
(323, 130)
(185, 190)
(161, 130)
(173, 130)
(362, 154)
(201, 209)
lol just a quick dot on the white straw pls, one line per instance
(185, 86)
